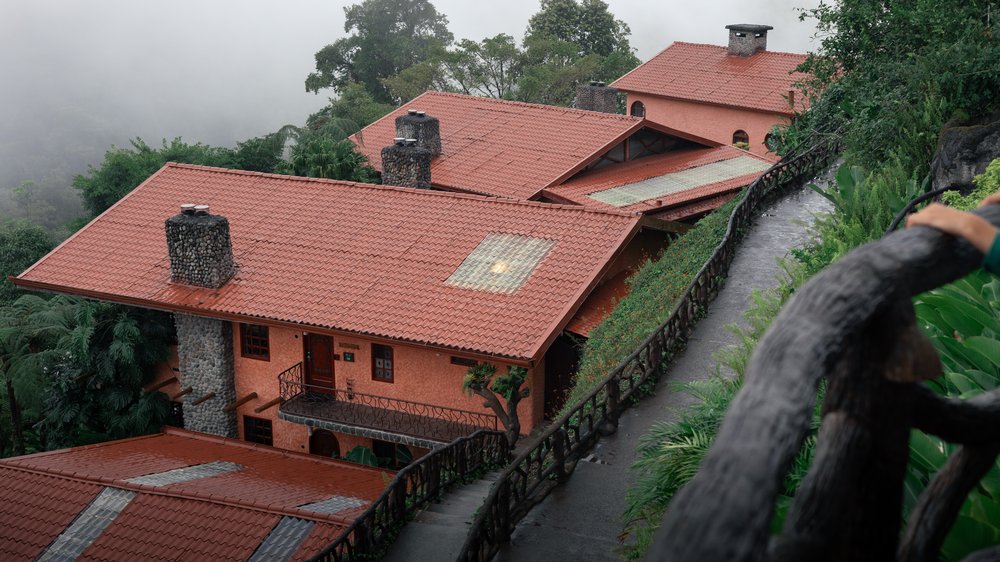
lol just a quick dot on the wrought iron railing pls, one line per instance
(412, 489)
(380, 412)
(854, 325)
(552, 457)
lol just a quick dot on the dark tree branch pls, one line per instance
(939, 504)
(970, 422)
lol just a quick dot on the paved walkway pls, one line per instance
(581, 520)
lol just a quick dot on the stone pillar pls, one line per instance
(596, 96)
(405, 164)
(422, 127)
(746, 39)
(201, 254)
(205, 353)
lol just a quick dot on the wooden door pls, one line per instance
(319, 362)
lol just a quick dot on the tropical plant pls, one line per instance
(508, 386)
(362, 455)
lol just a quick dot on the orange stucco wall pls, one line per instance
(709, 121)
(421, 375)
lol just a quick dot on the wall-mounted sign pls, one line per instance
(349, 345)
(349, 357)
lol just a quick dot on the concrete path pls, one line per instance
(581, 520)
(438, 532)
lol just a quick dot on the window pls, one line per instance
(382, 367)
(257, 430)
(770, 141)
(638, 109)
(463, 361)
(741, 136)
(175, 418)
(254, 342)
(391, 455)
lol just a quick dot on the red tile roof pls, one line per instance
(35, 508)
(577, 189)
(709, 74)
(222, 517)
(503, 148)
(344, 257)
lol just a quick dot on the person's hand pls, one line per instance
(975, 229)
(990, 199)
(938, 216)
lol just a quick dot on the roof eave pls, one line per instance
(598, 273)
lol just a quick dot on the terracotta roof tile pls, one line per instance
(502, 148)
(35, 508)
(709, 74)
(351, 257)
(578, 189)
(223, 517)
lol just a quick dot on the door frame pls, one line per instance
(307, 340)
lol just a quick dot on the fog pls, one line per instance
(81, 76)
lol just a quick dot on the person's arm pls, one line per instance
(977, 230)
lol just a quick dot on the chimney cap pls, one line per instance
(749, 27)
(399, 141)
(421, 114)
(411, 142)
(593, 82)
(411, 111)
(201, 210)
(187, 208)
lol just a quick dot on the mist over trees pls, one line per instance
(73, 370)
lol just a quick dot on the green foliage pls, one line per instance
(124, 169)
(588, 25)
(506, 386)
(110, 352)
(386, 37)
(655, 289)
(21, 244)
(322, 156)
(670, 454)
(362, 455)
(352, 110)
(986, 183)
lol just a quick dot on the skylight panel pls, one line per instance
(501, 263)
(676, 182)
(187, 473)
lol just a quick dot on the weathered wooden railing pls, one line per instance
(414, 487)
(553, 455)
(852, 324)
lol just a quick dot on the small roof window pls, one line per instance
(501, 263)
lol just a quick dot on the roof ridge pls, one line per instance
(229, 501)
(395, 188)
(765, 51)
(231, 441)
(544, 106)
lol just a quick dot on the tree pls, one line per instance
(387, 37)
(323, 156)
(507, 386)
(347, 114)
(262, 154)
(588, 25)
(106, 355)
(124, 169)
(568, 43)
(21, 244)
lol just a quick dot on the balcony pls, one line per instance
(377, 417)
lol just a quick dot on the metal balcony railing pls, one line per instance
(381, 413)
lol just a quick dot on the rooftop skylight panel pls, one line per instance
(501, 263)
(187, 473)
(676, 182)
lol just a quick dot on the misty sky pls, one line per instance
(80, 75)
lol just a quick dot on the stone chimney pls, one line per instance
(201, 253)
(746, 39)
(422, 127)
(200, 250)
(405, 164)
(596, 96)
